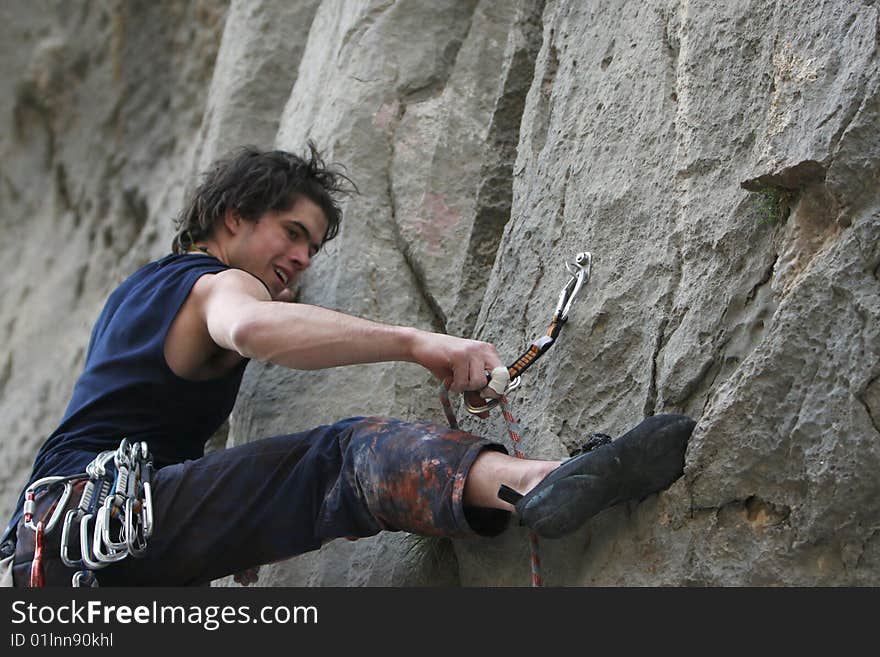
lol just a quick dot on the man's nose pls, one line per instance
(299, 255)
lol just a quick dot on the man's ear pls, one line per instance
(232, 220)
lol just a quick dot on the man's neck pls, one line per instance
(200, 248)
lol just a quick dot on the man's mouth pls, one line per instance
(282, 276)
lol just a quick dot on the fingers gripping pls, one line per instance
(461, 373)
(462, 364)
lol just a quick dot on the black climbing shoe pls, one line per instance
(593, 441)
(645, 460)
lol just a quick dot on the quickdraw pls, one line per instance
(580, 275)
(114, 514)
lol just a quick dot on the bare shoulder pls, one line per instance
(190, 349)
(234, 282)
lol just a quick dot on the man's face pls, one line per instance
(280, 245)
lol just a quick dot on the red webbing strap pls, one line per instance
(37, 578)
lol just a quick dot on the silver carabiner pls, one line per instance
(580, 274)
(84, 547)
(30, 504)
(105, 515)
(492, 403)
(134, 533)
(69, 519)
(84, 578)
(147, 509)
(60, 505)
(97, 469)
(102, 525)
(121, 456)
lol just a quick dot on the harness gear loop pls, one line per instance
(580, 271)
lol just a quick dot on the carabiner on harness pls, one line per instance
(30, 501)
(580, 274)
(115, 511)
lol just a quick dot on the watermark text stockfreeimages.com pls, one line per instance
(210, 617)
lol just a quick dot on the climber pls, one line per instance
(163, 368)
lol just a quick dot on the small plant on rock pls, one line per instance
(772, 204)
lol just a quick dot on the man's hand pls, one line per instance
(460, 363)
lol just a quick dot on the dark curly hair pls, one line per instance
(252, 182)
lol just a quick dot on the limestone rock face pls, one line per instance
(721, 161)
(99, 106)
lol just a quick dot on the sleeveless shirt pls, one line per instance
(127, 388)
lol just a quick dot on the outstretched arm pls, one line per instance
(241, 317)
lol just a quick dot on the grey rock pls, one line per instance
(100, 103)
(720, 160)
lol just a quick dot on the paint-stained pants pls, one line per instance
(278, 497)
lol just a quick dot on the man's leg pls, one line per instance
(493, 469)
(274, 498)
(555, 498)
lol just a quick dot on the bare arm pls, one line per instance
(241, 317)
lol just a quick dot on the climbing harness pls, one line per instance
(114, 514)
(505, 380)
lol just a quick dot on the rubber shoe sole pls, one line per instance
(645, 460)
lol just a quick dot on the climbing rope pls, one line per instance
(514, 433)
(505, 380)
(516, 436)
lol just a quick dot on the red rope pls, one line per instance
(515, 435)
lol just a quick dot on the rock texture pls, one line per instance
(720, 160)
(99, 104)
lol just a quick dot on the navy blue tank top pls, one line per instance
(127, 388)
